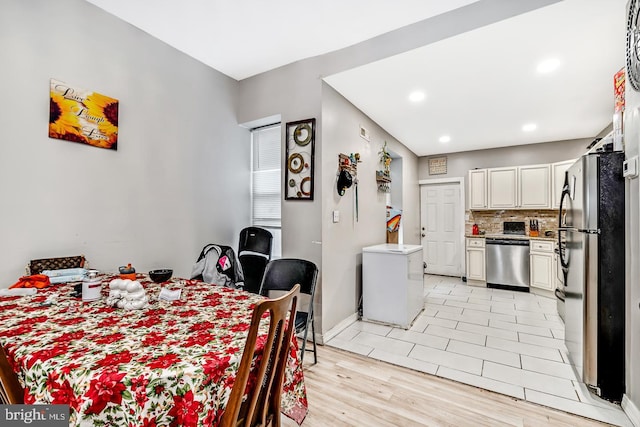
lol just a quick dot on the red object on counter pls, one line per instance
(475, 230)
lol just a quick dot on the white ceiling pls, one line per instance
(481, 86)
(241, 38)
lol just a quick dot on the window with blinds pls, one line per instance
(265, 177)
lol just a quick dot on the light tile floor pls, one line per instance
(504, 341)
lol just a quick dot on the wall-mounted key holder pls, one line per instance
(347, 171)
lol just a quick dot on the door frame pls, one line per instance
(461, 215)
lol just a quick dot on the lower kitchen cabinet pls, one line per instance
(542, 265)
(475, 257)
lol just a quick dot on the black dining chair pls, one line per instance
(282, 275)
(254, 253)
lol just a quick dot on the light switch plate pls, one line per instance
(336, 216)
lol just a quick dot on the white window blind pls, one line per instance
(265, 177)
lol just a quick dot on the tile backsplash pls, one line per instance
(491, 221)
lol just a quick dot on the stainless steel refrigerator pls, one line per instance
(592, 222)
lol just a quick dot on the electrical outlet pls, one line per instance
(336, 216)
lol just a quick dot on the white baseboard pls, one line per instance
(631, 410)
(339, 327)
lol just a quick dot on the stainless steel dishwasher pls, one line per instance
(508, 264)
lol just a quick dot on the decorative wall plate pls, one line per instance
(438, 165)
(295, 163)
(302, 134)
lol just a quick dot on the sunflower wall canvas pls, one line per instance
(83, 116)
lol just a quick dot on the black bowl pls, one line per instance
(160, 276)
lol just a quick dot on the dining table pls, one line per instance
(171, 363)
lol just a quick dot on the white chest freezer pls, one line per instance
(392, 284)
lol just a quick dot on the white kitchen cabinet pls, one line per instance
(534, 184)
(475, 257)
(557, 180)
(542, 266)
(502, 187)
(392, 284)
(523, 187)
(478, 189)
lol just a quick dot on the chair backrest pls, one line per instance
(282, 274)
(263, 402)
(253, 267)
(254, 252)
(255, 239)
(11, 391)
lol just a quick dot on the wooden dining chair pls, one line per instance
(11, 391)
(262, 407)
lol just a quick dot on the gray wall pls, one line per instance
(292, 93)
(295, 92)
(156, 200)
(459, 164)
(342, 242)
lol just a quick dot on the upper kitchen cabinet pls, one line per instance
(502, 183)
(534, 187)
(516, 187)
(558, 171)
(478, 189)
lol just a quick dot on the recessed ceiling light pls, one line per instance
(529, 127)
(444, 139)
(416, 96)
(548, 65)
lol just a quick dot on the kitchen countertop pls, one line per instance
(510, 236)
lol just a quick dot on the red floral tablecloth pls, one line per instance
(170, 364)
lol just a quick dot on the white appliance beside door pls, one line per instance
(441, 224)
(392, 284)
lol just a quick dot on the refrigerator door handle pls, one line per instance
(588, 231)
(565, 193)
(564, 262)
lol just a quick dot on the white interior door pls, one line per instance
(440, 224)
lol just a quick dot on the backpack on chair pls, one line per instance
(219, 265)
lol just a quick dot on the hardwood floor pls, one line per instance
(345, 389)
